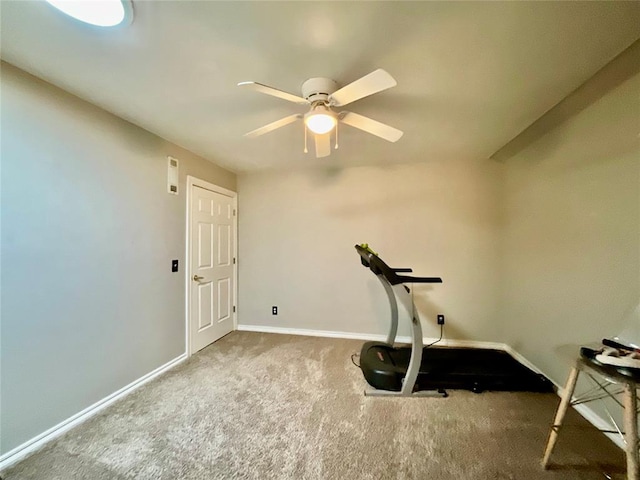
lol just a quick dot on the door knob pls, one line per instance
(197, 278)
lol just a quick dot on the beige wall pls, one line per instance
(571, 254)
(297, 231)
(89, 303)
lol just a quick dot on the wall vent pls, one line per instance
(172, 175)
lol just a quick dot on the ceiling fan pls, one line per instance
(323, 94)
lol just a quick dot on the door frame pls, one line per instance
(197, 182)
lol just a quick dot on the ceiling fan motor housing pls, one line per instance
(318, 89)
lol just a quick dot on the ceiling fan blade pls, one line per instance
(323, 145)
(274, 92)
(273, 125)
(372, 126)
(375, 82)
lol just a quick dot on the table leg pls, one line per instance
(631, 430)
(560, 413)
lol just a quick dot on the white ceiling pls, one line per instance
(471, 76)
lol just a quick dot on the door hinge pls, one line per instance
(234, 260)
(234, 212)
(234, 309)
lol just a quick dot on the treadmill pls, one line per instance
(427, 371)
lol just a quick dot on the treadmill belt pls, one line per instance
(454, 368)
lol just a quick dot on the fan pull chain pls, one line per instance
(305, 138)
(336, 147)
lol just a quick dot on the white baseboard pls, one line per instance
(39, 441)
(367, 336)
(524, 361)
(315, 333)
(589, 415)
(468, 344)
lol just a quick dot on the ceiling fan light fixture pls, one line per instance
(101, 13)
(320, 120)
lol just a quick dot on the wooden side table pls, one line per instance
(625, 381)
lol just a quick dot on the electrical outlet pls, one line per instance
(440, 319)
(274, 310)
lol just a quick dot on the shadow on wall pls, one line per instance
(615, 73)
(327, 176)
(449, 197)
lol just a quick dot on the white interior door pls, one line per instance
(212, 266)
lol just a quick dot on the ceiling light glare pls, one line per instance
(102, 13)
(320, 122)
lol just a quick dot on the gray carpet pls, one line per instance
(262, 406)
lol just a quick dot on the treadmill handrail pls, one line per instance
(405, 279)
(379, 267)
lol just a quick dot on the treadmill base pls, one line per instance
(478, 370)
(420, 393)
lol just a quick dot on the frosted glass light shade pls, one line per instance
(320, 123)
(320, 119)
(102, 13)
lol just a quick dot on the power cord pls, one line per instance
(354, 362)
(433, 343)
